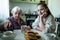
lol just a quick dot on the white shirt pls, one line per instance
(50, 24)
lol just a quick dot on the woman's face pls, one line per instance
(42, 10)
(16, 15)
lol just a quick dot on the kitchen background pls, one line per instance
(26, 6)
(29, 8)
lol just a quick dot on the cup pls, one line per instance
(23, 28)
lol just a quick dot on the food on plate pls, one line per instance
(30, 35)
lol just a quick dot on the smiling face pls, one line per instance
(42, 10)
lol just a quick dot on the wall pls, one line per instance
(4, 9)
(24, 6)
(54, 6)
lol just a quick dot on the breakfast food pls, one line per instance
(30, 35)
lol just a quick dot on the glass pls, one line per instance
(23, 28)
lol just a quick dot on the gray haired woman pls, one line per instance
(15, 20)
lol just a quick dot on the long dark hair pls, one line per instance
(45, 6)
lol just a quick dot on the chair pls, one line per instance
(56, 33)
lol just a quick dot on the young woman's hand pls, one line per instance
(41, 15)
(40, 28)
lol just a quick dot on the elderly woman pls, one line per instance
(15, 21)
(45, 21)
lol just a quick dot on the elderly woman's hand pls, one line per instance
(7, 23)
(26, 27)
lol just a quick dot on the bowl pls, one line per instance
(8, 35)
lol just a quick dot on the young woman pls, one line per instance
(45, 21)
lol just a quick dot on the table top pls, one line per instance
(20, 35)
